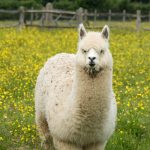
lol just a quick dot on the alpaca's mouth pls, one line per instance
(92, 71)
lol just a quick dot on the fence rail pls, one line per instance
(51, 11)
(49, 17)
(9, 11)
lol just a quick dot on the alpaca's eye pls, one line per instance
(84, 51)
(102, 51)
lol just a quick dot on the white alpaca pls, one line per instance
(74, 99)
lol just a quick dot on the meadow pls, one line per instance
(24, 52)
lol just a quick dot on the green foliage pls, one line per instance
(15, 4)
(66, 4)
(44, 2)
(30, 3)
(9, 4)
(100, 5)
(142, 7)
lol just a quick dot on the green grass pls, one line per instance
(23, 53)
(130, 25)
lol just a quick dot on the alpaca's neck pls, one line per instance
(87, 104)
(91, 94)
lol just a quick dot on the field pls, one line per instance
(23, 53)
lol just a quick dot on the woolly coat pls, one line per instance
(78, 109)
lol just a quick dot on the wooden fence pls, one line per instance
(49, 17)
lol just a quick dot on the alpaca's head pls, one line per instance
(93, 50)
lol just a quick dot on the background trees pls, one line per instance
(102, 5)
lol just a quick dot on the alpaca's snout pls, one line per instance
(92, 58)
(92, 63)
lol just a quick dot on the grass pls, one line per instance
(23, 53)
(130, 25)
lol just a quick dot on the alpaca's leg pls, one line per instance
(97, 146)
(60, 145)
(42, 127)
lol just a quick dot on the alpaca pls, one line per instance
(74, 100)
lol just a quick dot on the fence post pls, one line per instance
(22, 17)
(124, 15)
(95, 16)
(79, 14)
(85, 15)
(43, 17)
(36, 16)
(138, 20)
(109, 15)
(49, 16)
(31, 17)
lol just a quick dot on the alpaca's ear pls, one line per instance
(105, 32)
(82, 31)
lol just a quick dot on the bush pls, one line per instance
(143, 7)
(15, 4)
(66, 5)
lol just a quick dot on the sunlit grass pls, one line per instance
(23, 53)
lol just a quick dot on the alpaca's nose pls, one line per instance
(92, 58)
(92, 63)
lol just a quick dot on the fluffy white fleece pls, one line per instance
(75, 104)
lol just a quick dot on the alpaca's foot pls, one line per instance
(60, 145)
(47, 144)
(42, 126)
(97, 146)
